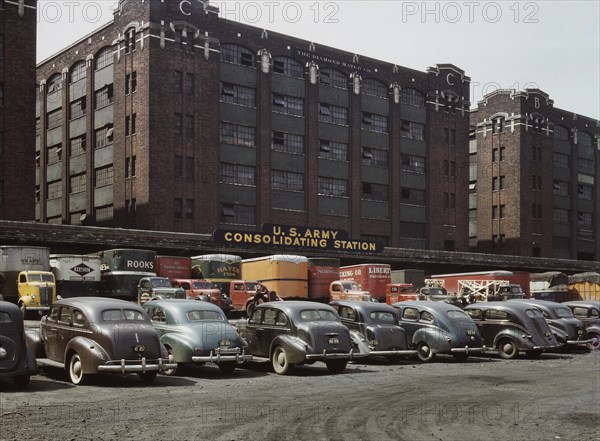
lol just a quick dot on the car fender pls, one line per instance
(33, 340)
(27, 300)
(91, 353)
(593, 329)
(295, 348)
(515, 335)
(31, 361)
(180, 347)
(433, 337)
(360, 342)
(560, 334)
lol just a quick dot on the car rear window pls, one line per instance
(115, 315)
(5, 318)
(383, 317)
(198, 316)
(317, 314)
(533, 313)
(456, 314)
(564, 312)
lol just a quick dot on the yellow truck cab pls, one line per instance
(37, 291)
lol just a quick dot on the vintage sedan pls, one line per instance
(93, 335)
(297, 332)
(439, 328)
(374, 329)
(17, 360)
(588, 311)
(569, 331)
(511, 327)
(197, 332)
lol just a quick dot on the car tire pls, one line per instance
(595, 343)
(21, 381)
(460, 356)
(279, 361)
(76, 374)
(171, 372)
(250, 308)
(147, 377)
(336, 366)
(507, 348)
(227, 367)
(13, 355)
(424, 352)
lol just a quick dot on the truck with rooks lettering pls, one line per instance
(122, 269)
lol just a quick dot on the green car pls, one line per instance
(197, 332)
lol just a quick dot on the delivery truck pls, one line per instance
(371, 277)
(76, 275)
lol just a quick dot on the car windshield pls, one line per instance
(351, 286)
(453, 314)
(250, 286)
(437, 291)
(564, 312)
(317, 314)
(203, 285)
(117, 315)
(199, 315)
(41, 278)
(161, 283)
(383, 317)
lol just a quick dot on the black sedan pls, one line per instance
(374, 329)
(588, 311)
(297, 332)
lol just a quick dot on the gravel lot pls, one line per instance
(556, 397)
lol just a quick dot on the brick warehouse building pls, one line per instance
(17, 101)
(534, 178)
(171, 118)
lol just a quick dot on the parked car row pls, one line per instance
(91, 335)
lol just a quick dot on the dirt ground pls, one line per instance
(556, 397)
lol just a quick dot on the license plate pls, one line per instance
(334, 341)
(225, 343)
(139, 348)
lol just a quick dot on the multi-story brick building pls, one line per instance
(172, 118)
(534, 178)
(17, 104)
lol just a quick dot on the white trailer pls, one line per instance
(76, 275)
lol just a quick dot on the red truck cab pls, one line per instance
(199, 289)
(400, 292)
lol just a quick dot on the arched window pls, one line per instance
(333, 78)
(413, 97)
(373, 87)
(104, 58)
(77, 71)
(561, 132)
(288, 66)
(234, 53)
(54, 83)
(584, 139)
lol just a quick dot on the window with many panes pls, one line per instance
(375, 192)
(290, 105)
(561, 216)
(412, 196)
(54, 119)
(287, 66)
(584, 221)
(585, 192)
(561, 188)
(238, 174)
(77, 183)
(237, 94)
(561, 160)
(104, 213)
(77, 72)
(54, 84)
(103, 176)
(238, 214)
(77, 109)
(104, 58)
(287, 180)
(584, 139)
(374, 122)
(376, 157)
(337, 151)
(53, 154)
(373, 87)
(412, 163)
(561, 132)
(412, 130)
(333, 78)
(54, 189)
(412, 97)
(237, 134)
(234, 53)
(287, 142)
(333, 114)
(332, 187)
(104, 136)
(104, 97)
(585, 166)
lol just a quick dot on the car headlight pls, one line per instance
(33, 296)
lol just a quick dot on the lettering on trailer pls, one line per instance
(305, 238)
(139, 264)
(82, 269)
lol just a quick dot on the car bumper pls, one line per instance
(323, 356)
(545, 348)
(467, 350)
(223, 355)
(579, 342)
(408, 352)
(128, 366)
